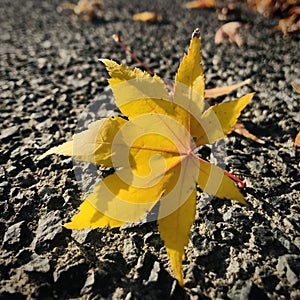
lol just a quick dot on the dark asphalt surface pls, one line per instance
(50, 73)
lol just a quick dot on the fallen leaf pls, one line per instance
(147, 16)
(270, 7)
(239, 128)
(209, 93)
(296, 87)
(86, 9)
(221, 91)
(294, 10)
(297, 140)
(230, 31)
(264, 7)
(154, 152)
(200, 4)
(288, 25)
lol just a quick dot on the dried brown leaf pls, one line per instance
(288, 25)
(296, 87)
(264, 7)
(201, 4)
(230, 31)
(224, 90)
(270, 7)
(87, 9)
(297, 140)
(240, 129)
(295, 10)
(147, 16)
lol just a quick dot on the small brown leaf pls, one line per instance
(264, 7)
(224, 90)
(147, 16)
(296, 87)
(288, 25)
(297, 140)
(295, 10)
(200, 4)
(269, 7)
(230, 31)
(86, 9)
(240, 129)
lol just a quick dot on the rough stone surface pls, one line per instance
(70, 277)
(289, 265)
(49, 230)
(246, 290)
(15, 236)
(38, 264)
(52, 85)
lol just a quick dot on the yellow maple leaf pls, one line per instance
(153, 151)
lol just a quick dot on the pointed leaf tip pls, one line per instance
(196, 33)
(102, 60)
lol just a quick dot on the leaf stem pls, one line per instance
(118, 39)
(240, 183)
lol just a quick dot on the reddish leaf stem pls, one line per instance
(240, 183)
(117, 38)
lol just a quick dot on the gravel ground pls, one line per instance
(50, 74)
